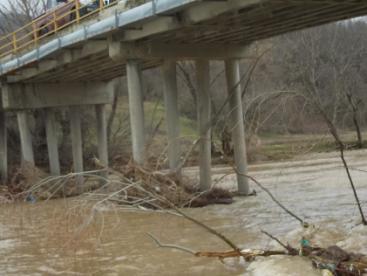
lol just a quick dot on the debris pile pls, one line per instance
(21, 179)
(128, 184)
(136, 183)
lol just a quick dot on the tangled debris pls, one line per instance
(22, 178)
(124, 184)
(177, 190)
(332, 260)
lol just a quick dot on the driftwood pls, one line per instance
(333, 259)
(248, 255)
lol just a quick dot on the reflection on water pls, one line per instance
(65, 237)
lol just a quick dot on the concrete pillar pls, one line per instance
(102, 134)
(172, 113)
(204, 119)
(76, 140)
(25, 138)
(3, 149)
(236, 124)
(135, 90)
(52, 143)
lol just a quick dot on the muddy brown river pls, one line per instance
(70, 237)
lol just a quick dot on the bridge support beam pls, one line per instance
(25, 138)
(47, 95)
(237, 126)
(102, 135)
(3, 149)
(136, 107)
(76, 142)
(204, 119)
(172, 113)
(52, 143)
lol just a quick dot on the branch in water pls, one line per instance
(274, 238)
(172, 246)
(291, 250)
(247, 254)
(304, 223)
(346, 167)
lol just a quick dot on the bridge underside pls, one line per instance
(234, 27)
(83, 73)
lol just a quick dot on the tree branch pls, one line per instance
(172, 246)
(304, 223)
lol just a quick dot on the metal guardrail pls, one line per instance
(50, 23)
(138, 12)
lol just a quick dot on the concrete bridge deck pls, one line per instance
(78, 65)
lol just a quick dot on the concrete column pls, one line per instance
(25, 138)
(102, 134)
(52, 143)
(3, 149)
(76, 140)
(172, 113)
(204, 117)
(237, 125)
(136, 107)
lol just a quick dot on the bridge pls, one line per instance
(77, 64)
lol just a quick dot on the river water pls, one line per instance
(68, 237)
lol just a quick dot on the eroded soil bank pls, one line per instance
(66, 237)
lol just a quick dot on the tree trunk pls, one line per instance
(334, 132)
(357, 127)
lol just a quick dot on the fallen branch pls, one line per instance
(266, 190)
(345, 164)
(248, 255)
(334, 132)
(291, 250)
(349, 264)
(171, 246)
(199, 223)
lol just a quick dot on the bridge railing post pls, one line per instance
(77, 10)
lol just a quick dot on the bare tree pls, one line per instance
(326, 74)
(17, 13)
(325, 65)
